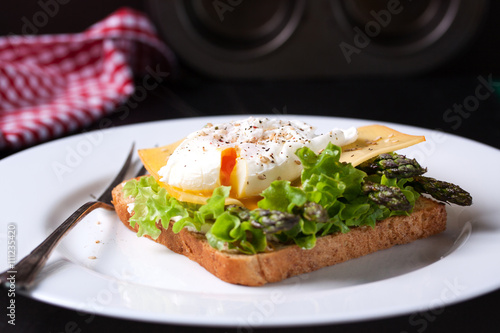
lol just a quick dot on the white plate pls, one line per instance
(135, 278)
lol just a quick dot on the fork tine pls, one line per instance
(106, 195)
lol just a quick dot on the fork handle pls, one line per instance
(25, 271)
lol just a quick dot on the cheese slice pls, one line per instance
(155, 158)
(372, 141)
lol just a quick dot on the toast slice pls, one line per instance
(427, 219)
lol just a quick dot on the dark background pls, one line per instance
(481, 56)
(419, 100)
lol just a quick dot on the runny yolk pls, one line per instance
(228, 161)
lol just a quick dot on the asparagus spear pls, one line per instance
(242, 212)
(270, 221)
(442, 190)
(393, 165)
(315, 212)
(390, 196)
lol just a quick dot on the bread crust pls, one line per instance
(428, 218)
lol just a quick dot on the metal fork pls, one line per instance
(25, 271)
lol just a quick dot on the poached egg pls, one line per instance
(247, 155)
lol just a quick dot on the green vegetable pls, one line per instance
(282, 196)
(229, 230)
(333, 197)
(443, 191)
(151, 204)
(390, 196)
(393, 165)
(273, 221)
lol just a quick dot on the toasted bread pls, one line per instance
(428, 218)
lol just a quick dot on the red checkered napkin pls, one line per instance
(55, 84)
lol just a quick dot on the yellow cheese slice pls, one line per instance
(156, 158)
(374, 140)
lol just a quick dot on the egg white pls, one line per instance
(265, 152)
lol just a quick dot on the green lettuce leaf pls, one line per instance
(324, 173)
(229, 231)
(152, 204)
(282, 196)
(200, 215)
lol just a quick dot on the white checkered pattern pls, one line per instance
(55, 84)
